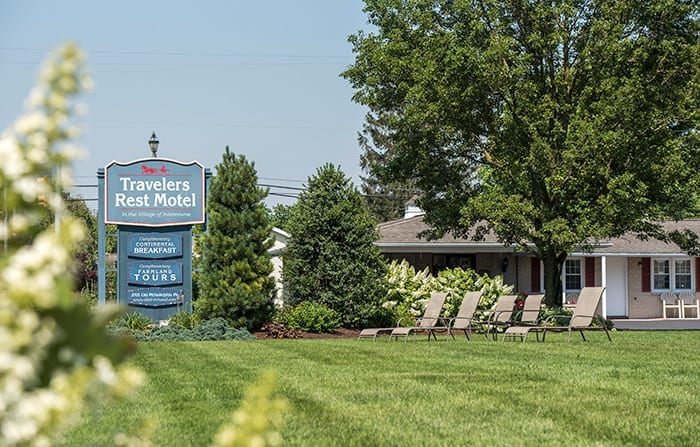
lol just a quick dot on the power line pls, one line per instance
(186, 53)
(281, 179)
(197, 64)
(282, 187)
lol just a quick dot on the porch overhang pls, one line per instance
(438, 247)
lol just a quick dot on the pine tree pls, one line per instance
(234, 280)
(385, 197)
(331, 258)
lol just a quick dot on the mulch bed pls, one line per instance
(338, 333)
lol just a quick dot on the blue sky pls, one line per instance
(260, 77)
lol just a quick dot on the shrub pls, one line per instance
(331, 258)
(136, 321)
(184, 319)
(456, 282)
(280, 330)
(408, 290)
(311, 317)
(218, 329)
(214, 329)
(555, 316)
(88, 294)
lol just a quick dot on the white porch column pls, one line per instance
(563, 283)
(604, 283)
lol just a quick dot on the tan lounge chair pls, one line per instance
(529, 318)
(501, 316)
(428, 322)
(432, 312)
(584, 315)
(463, 320)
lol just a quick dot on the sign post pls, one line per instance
(154, 202)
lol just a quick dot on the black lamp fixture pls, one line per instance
(153, 144)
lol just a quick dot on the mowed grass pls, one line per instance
(643, 389)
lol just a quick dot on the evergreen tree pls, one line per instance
(280, 216)
(331, 258)
(234, 280)
(385, 197)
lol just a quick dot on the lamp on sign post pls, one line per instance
(153, 144)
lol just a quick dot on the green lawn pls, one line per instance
(640, 390)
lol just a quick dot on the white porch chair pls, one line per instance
(670, 302)
(570, 300)
(689, 301)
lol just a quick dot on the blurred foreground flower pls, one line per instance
(54, 352)
(258, 418)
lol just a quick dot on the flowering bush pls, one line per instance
(409, 290)
(55, 353)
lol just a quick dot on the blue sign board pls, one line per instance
(155, 297)
(158, 273)
(154, 192)
(155, 246)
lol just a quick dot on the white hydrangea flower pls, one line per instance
(30, 411)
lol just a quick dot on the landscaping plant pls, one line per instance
(184, 319)
(310, 316)
(207, 330)
(234, 279)
(55, 354)
(331, 258)
(408, 290)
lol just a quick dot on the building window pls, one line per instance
(676, 276)
(682, 274)
(662, 274)
(573, 275)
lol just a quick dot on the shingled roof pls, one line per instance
(402, 234)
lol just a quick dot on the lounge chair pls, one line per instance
(463, 320)
(428, 322)
(501, 316)
(584, 315)
(529, 317)
(432, 311)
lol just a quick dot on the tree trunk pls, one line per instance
(553, 264)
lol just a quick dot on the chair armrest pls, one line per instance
(438, 319)
(494, 316)
(551, 318)
(402, 319)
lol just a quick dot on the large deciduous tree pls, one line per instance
(551, 123)
(330, 257)
(234, 279)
